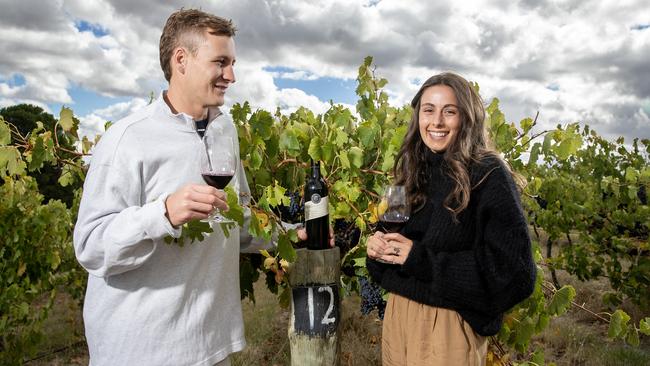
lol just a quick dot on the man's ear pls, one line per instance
(179, 60)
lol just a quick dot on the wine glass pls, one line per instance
(217, 164)
(394, 210)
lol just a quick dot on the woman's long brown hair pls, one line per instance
(471, 145)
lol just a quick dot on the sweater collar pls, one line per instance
(183, 120)
(434, 159)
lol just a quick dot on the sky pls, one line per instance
(582, 61)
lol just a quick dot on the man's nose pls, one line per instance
(229, 73)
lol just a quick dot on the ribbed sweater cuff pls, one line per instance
(417, 263)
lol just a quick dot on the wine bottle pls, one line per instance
(316, 210)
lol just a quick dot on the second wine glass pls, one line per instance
(217, 164)
(394, 212)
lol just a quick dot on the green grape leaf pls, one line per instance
(256, 159)
(524, 331)
(341, 138)
(289, 142)
(11, 162)
(37, 156)
(538, 357)
(361, 224)
(526, 124)
(644, 326)
(618, 324)
(345, 162)
(5, 133)
(86, 145)
(285, 249)
(366, 134)
(542, 322)
(191, 231)
(631, 174)
(632, 336)
(328, 151)
(261, 121)
(285, 298)
(548, 143)
(293, 235)
(568, 147)
(561, 300)
(240, 112)
(68, 175)
(314, 150)
(254, 227)
(235, 211)
(534, 154)
(54, 259)
(356, 156)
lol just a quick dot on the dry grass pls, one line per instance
(269, 345)
(576, 338)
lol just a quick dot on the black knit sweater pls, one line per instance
(479, 267)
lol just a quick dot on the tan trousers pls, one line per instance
(414, 334)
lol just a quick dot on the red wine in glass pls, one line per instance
(217, 163)
(218, 180)
(392, 222)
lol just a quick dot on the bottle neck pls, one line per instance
(315, 170)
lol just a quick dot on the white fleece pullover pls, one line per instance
(148, 302)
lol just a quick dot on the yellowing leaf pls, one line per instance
(65, 119)
(21, 269)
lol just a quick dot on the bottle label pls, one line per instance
(316, 208)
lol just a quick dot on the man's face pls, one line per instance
(210, 71)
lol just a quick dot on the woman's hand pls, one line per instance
(390, 248)
(399, 247)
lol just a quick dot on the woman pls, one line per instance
(464, 258)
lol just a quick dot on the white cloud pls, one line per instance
(93, 123)
(588, 51)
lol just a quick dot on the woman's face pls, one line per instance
(439, 117)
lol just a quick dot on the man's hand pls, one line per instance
(192, 202)
(302, 235)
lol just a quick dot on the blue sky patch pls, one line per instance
(324, 88)
(639, 27)
(96, 29)
(86, 101)
(14, 80)
(553, 87)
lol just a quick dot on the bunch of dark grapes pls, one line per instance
(346, 235)
(296, 205)
(292, 213)
(371, 298)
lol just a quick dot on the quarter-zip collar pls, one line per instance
(181, 120)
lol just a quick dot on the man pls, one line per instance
(147, 302)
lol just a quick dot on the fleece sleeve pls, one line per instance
(115, 232)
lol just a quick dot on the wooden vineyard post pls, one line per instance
(313, 324)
